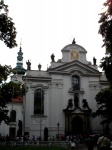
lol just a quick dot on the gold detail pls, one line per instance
(74, 54)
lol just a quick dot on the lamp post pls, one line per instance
(41, 99)
(58, 129)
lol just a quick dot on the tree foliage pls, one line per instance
(104, 101)
(104, 97)
(5, 71)
(7, 92)
(106, 31)
(7, 28)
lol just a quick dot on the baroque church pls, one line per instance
(60, 99)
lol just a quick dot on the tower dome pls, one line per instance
(19, 65)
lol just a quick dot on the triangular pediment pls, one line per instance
(74, 67)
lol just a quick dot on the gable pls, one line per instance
(74, 66)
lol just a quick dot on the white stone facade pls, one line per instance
(71, 77)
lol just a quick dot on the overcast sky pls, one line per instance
(46, 26)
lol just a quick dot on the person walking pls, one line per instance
(73, 144)
(103, 143)
(90, 142)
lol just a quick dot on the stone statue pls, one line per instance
(94, 60)
(85, 104)
(76, 100)
(70, 104)
(39, 66)
(74, 42)
(52, 57)
(28, 65)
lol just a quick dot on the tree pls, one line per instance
(104, 97)
(5, 71)
(106, 31)
(7, 28)
(104, 101)
(8, 91)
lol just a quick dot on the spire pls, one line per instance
(19, 65)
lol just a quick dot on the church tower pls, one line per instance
(19, 65)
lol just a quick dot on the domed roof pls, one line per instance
(72, 46)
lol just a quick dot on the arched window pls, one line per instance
(39, 102)
(13, 116)
(75, 82)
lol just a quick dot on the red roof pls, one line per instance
(18, 99)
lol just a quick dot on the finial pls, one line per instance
(73, 42)
(20, 44)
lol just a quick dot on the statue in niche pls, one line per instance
(52, 57)
(76, 100)
(28, 65)
(94, 60)
(39, 66)
(70, 104)
(85, 104)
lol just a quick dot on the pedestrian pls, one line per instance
(103, 143)
(90, 142)
(73, 144)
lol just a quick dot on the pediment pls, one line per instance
(74, 67)
(76, 110)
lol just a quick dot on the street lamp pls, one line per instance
(58, 129)
(41, 101)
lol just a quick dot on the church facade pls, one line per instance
(60, 99)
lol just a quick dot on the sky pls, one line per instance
(47, 26)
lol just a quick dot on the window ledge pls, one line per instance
(38, 116)
(76, 91)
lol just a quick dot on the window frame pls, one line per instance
(75, 81)
(39, 101)
(13, 115)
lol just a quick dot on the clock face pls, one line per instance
(74, 54)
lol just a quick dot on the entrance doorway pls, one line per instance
(12, 132)
(77, 125)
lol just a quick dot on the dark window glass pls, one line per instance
(13, 116)
(39, 102)
(75, 82)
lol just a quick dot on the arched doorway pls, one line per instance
(77, 125)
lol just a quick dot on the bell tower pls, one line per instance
(19, 65)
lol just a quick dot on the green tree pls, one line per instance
(104, 97)
(5, 71)
(7, 28)
(106, 31)
(7, 90)
(104, 102)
